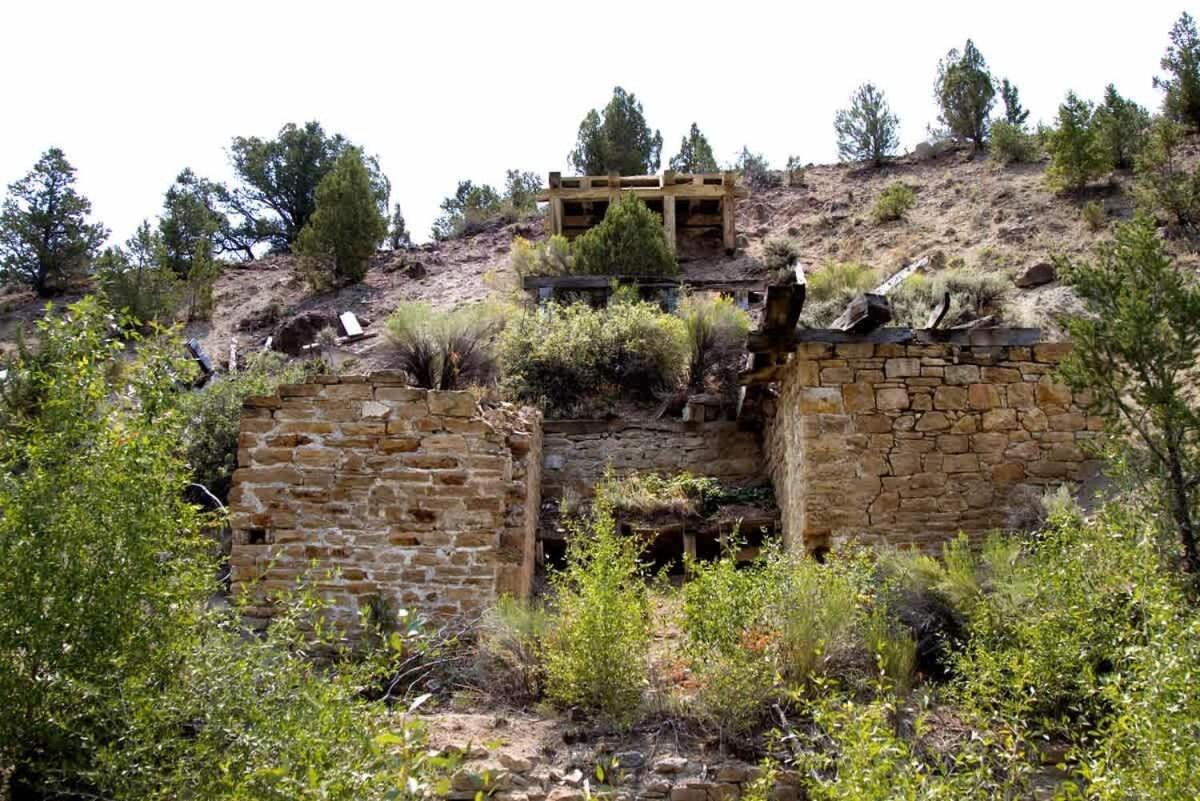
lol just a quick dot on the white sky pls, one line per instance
(134, 92)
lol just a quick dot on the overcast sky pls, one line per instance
(134, 92)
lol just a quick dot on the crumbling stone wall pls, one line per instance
(577, 452)
(426, 500)
(910, 444)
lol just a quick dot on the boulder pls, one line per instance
(301, 329)
(1041, 273)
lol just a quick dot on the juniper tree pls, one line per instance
(280, 178)
(628, 241)
(398, 236)
(45, 237)
(134, 280)
(616, 139)
(1165, 185)
(1182, 61)
(965, 93)
(469, 206)
(189, 216)
(1076, 154)
(346, 227)
(520, 190)
(1137, 352)
(1014, 112)
(695, 154)
(1121, 127)
(867, 131)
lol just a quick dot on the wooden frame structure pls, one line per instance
(684, 200)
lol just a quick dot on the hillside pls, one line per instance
(978, 214)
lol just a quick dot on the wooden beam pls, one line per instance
(865, 313)
(669, 217)
(728, 223)
(784, 303)
(898, 277)
(938, 313)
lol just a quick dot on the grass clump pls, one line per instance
(511, 642)
(834, 285)
(1094, 216)
(716, 333)
(892, 204)
(564, 354)
(973, 294)
(444, 349)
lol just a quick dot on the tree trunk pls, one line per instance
(1182, 512)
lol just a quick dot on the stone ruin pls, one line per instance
(430, 500)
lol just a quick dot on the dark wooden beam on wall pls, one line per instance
(865, 313)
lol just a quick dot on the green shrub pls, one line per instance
(781, 253)
(100, 556)
(1165, 186)
(892, 645)
(1182, 62)
(444, 349)
(965, 93)
(134, 282)
(551, 256)
(1011, 144)
(756, 172)
(1076, 153)
(838, 280)
(1094, 216)
(628, 241)
(336, 244)
(652, 493)
(735, 688)
(596, 652)
(893, 202)
(564, 354)
(213, 417)
(716, 332)
(974, 293)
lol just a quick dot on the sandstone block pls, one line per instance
(836, 375)
(1071, 421)
(1000, 375)
(901, 368)
(453, 404)
(820, 400)
(962, 374)
(892, 398)
(1050, 393)
(1051, 352)
(933, 421)
(960, 463)
(947, 397)
(1008, 472)
(984, 396)
(999, 420)
(858, 397)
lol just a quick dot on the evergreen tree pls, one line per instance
(202, 274)
(965, 92)
(1014, 112)
(628, 241)
(189, 215)
(45, 238)
(280, 178)
(868, 130)
(1121, 127)
(1137, 353)
(466, 210)
(754, 169)
(1076, 153)
(1182, 61)
(398, 236)
(520, 190)
(695, 154)
(134, 281)
(616, 139)
(1165, 186)
(346, 227)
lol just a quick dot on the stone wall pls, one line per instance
(426, 500)
(911, 443)
(577, 452)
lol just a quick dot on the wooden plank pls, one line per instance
(865, 313)
(728, 223)
(897, 278)
(531, 282)
(939, 313)
(350, 325)
(669, 219)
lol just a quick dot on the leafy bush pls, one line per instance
(735, 687)
(716, 332)
(100, 557)
(867, 130)
(336, 244)
(1164, 184)
(596, 652)
(1094, 216)
(1010, 143)
(564, 354)
(1076, 152)
(444, 349)
(212, 417)
(838, 279)
(628, 241)
(893, 202)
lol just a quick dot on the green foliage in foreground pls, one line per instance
(562, 354)
(116, 681)
(596, 650)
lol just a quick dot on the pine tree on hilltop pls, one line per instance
(965, 92)
(695, 154)
(867, 131)
(45, 238)
(336, 245)
(616, 139)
